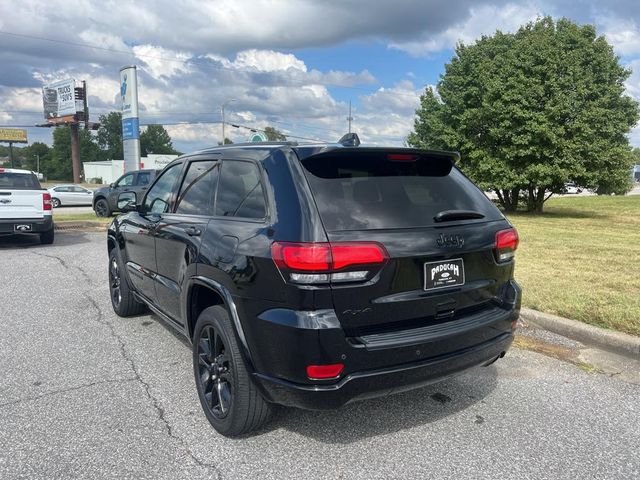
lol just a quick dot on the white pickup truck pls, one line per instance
(25, 207)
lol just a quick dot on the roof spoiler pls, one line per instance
(349, 140)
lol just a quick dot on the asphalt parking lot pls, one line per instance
(85, 394)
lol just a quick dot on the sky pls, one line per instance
(294, 65)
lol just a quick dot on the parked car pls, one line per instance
(571, 188)
(315, 275)
(70, 195)
(105, 198)
(25, 207)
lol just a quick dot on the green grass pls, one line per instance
(580, 260)
(79, 217)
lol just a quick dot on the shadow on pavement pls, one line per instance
(62, 239)
(383, 415)
(393, 413)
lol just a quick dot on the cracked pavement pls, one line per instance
(86, 394)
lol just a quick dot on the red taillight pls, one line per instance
(46, 201)
(401, 157)
(506, 244)
(302, 256)
(323, 262)
(324, 372)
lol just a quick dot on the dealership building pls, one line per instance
(109, 171)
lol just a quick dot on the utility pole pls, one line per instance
(75, 151)
(222, 112)
(349, 118)
(11, 155)
(37, 155)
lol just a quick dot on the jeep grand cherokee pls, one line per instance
(314, 275)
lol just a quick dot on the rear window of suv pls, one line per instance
(19, 181)
(370, 190)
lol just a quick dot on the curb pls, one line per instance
(616, 342)
(65, 226)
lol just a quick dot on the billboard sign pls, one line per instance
(59, 99)
(130, 122)
(13, 135)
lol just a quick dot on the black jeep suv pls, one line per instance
(314, 275)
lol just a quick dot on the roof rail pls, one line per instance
(349, 140)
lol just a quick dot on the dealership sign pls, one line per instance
(13, 135)
(130, 122)
(59, 99)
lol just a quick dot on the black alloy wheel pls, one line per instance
(215, 373)
(114, 282)
(102, 208)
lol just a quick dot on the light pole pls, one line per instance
(37, 162)
(222, 111)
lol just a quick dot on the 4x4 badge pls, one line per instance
(453, 240)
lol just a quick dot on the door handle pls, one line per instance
(193, 231)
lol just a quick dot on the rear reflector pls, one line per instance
(46, 201)
(506, 244)
(324, 372)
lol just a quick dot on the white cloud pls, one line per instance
(483, 20)
(623, 34)
(162, 63)
(268, 61)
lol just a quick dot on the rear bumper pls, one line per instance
(368, 384)
(9, 226)
(374, 365)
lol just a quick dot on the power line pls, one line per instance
(196, 60)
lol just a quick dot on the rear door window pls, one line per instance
(376, 190)
(198, 186)
(240, 191)
(143, 178)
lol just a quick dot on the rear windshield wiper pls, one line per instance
(448, 215)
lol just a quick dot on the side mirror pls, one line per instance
(127, 202)
(112, 185)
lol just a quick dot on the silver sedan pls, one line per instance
(70, 195)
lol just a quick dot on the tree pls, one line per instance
(227, 141)
(35, 151)
(109, 136)
(155, 139)
(59, 165)
(532, 110)
(274, 135)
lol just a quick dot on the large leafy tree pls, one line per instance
(155, 139)
(274, 135)
(59, 165)
(109, 136)
(34, 153)
(532, 110)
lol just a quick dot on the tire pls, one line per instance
(102, 208)
(46, 238)
(55, 202)
(122, 299)
(230, 400)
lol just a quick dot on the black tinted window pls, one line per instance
(240, 191)
(144, 178)
(368, 190)
(196, 194)
(19, 181)
(157, 200)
